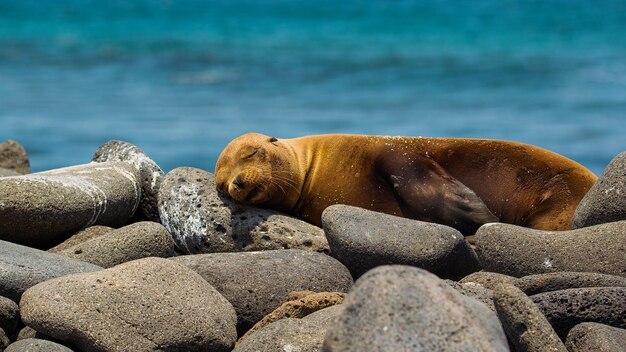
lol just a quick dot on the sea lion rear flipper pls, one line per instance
(431, 194)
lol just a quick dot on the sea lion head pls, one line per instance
(258, 169)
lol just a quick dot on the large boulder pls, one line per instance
(22, 267)
(42, 209)
(144, 305)
(256, 283)
(605, 201)
(519, 251)
(402, 308)
(363, 239)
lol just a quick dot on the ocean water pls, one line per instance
(181, 78)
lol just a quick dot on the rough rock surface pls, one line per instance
(6, 172)
(203, 221)
(42, 209)
(524, 324)
(22, 267)
(149, 172)
(80, 237)
(9, 315)
(298, 307)
(567, 308)
(14, 157)
(4, 340)
(147, 304)
(256, 283)
(488, 279)
(135, 241)
(402, 308)
(519, 251)
(363, 239)
(475, 291)
(534, 284)
(586, 337)
(606, 200)
(36, 345)
(290, 334)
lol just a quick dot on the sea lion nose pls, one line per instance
(238, 181)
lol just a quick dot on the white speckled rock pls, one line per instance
(149, 172)
(42, 209)
(203, 221)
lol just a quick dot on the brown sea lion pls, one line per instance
(459, 182)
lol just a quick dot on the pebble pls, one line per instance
(36, 345)
(291, 334)
(403, 308)
(139, 240)
(475, 291)
(488, 279)
(150, 174)
(14, 157)
(519, 251)
(524, 324)
(146, 304)
(299, 305)
(41, 210)
(605, 201)
(256, 283)
(203, 221)
(363, 239)
(22, 267)
(586, 337)
(9, 316)
(567, 308)
(81, 236)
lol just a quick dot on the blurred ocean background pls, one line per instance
(181, 78)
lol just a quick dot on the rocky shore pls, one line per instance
(115, 255)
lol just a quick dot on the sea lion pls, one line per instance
(460, 182)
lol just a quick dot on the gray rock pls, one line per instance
(80, 237)
(4, 340)
(36, 345)
(14, 157)
(402, 308)
(147, 304)
(488, 279)
(567, 308)
(534, 284)
(363, 239)
(9, 315)
(520, 251)
(475, 291)
(22, 267)
(256, 283)
(605, 201)
(203, 221)
(6, 172)
(302, 335)
(596, 337)
(149, 172)
(42, 209)
(135, 241)
(525, 325)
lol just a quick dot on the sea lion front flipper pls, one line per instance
(431, 194)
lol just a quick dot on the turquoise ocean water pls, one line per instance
(182, 78)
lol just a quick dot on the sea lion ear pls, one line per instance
(273, 139)
(429, 193)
